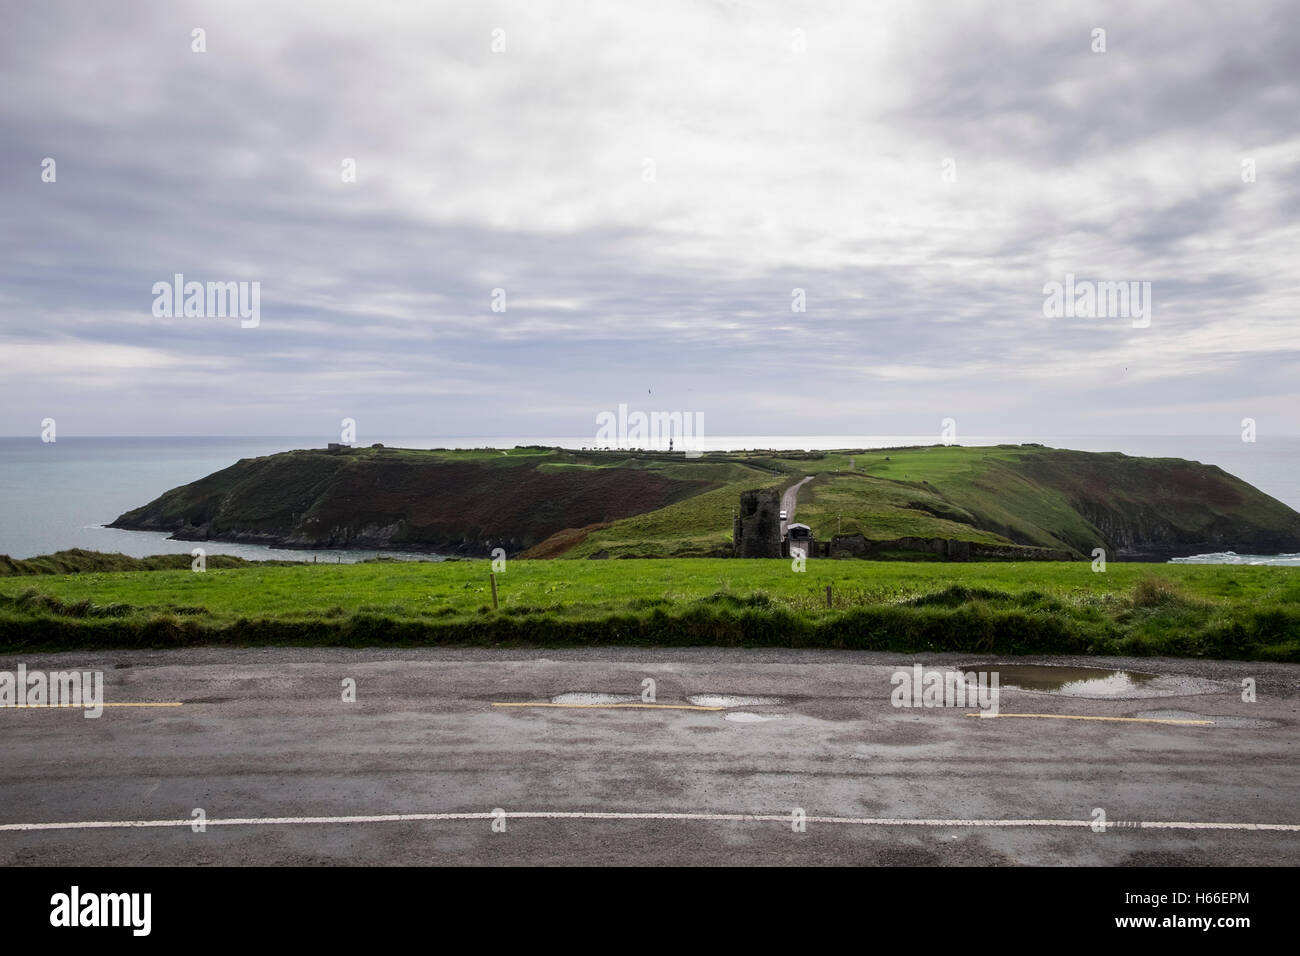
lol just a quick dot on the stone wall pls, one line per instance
(856, 545)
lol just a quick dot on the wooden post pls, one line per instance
(828, 596)
(494, 591)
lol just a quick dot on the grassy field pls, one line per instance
(1000, 496)
(847, 494)
(1043, 607)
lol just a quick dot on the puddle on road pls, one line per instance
(1245, 722)
(726, 700)
(747, 717)
(1067, 681)
(585, 698)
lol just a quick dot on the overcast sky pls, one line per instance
(649, 182)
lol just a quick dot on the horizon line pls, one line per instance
(1056, 435)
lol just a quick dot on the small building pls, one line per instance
(799, 537)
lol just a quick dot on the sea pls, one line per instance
(59, 495)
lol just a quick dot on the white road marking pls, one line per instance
(620, 815)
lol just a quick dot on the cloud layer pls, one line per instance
(649, 184)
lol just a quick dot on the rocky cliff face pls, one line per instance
(1158, 508)
(406, 500)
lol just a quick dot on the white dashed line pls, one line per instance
(630, 816)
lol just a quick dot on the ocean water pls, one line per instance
(59, 495)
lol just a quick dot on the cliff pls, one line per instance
(1012, 502)
(445, 502)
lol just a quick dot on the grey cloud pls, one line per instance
(376, 296)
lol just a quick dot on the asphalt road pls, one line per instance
(264, 739)
(789, 499)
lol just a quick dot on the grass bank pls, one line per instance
(1240, 613)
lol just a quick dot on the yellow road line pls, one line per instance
(170, 703)
(607, 706)
(1131, 720)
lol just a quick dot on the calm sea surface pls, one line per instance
(59, 495)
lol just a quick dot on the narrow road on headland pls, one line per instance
(789, 498)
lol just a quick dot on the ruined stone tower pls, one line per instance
(756, 531)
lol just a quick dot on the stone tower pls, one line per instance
(756, 531)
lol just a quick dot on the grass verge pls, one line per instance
(1227, 612)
